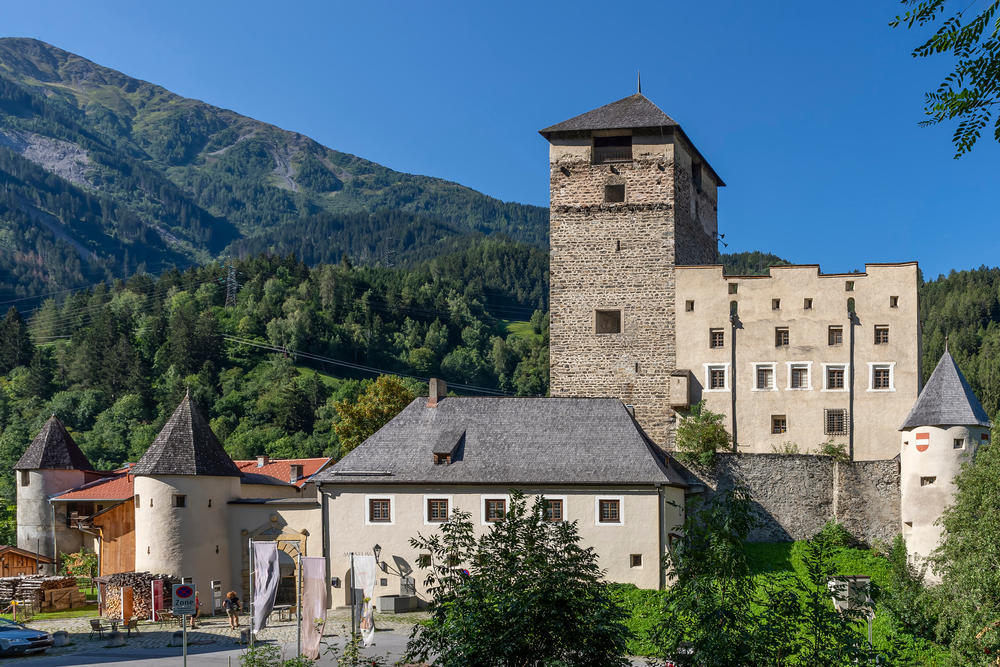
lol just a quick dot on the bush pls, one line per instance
(700, 434)
(836, 535)
(835, 450)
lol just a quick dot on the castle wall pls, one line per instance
(796, 494)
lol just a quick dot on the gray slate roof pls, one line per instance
(591, 441)
(947, 398)
(53, 448)
(186, 446)
(627, 113)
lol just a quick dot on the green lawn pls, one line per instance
(520, 328)
(89, 610)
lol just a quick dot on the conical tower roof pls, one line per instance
(53, 448)
(946, 399)
(186, 446)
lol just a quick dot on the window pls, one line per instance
(807, 304)
(424, 560)
(849, 286)
(494, 509)
(612, 149)
(25, 478)
(553, 509)
(775, 304)
(442, 459)
(179, 500)
(894, 302)
(835, 377)
(881, 335)
(835, 335)
(437, 510)
(609, 510)
(778, 424)
(927, 481)
(379, 510)
(733, 287)
(881, 376)
(635, 560)
(608, 321)
(689, 306)
(765, 376)
(835, 421)
(716, 377)
(135, 499)
(696, 175)
(959, 443)
(798, 376)
(614, 194)
(781, 336)
(716, 338)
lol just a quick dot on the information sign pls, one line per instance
(183, 599)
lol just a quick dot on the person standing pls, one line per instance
(232, 605)
(197, 610)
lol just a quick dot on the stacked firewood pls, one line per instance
(30, 589)
(142, 592)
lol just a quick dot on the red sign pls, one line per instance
(157, 591)
(923, 441)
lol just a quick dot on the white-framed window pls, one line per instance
(609, 511)
(380, 510)
(716, 377)
(437, 509)
(554, 509)
(494, 508)
(799, 375)
(836, 377)
(763, 377)
(881, 376)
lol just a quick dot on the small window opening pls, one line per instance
(835, 377)
(442, 459)
(734, 308)
(775, 304)
(894, 302)
(689, 306)
(424, 560)
(612, 149)
(696, 175)
(180, 500)
(618, 245)
(25, 478)
(733, 287)
(717, 378)
(835, 421)
(437, 510)
(835, 336)
(908, 524)
(608, 321)
(614, 194)
(881, 377)
(807, 304)
(849, 286)
(765, 377)
(136, 500)
(781, 336)
(553, 509)
(379, 510)
(635, 560)
(716, 338)
(209, 502)
(881, 335)
(609, 511)
(779, 424)
(959, 443)
(927, 481)
(800, 377)
(496, 509)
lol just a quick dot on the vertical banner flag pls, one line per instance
(365, 571)
(313, 604)
(156, 593)
(265, 582)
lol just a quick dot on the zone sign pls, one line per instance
(184, 599)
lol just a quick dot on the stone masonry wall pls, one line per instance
(795, 494)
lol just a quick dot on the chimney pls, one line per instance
(295, 473)
(262, 460)
(437, 391)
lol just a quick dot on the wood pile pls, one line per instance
(33, 589)
(142, 594)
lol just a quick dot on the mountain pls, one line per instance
(104, 174)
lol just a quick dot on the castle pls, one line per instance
(644, 325)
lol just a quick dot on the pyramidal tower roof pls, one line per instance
(630, 112)
(53, 448)
(947, 398)
(186, 446)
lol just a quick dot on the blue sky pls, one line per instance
(809, 111)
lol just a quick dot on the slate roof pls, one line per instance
(591, 441)
(946, 399)
(53, 448)
(186, 446)
(630, 112)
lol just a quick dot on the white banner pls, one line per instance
(365, 573)
(265, 582)
(314, 591)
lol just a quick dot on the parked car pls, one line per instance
(15, 639)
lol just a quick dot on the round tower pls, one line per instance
(943, 430)
(52, 464)
(183, 485)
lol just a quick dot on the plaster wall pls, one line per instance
(34, 512)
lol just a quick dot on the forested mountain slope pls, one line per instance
(103, 174)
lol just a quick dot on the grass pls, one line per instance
(521, 329)
(89, 610)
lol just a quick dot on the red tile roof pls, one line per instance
(281, 469)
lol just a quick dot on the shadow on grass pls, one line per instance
(770, 557)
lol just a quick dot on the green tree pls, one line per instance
(700, 434)
(525, 593)
(971, 92)
(16, 347)
(381, 401)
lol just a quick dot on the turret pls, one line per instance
(52, 464)
(182, 486)
(943, 430)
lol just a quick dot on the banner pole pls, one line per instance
(250, 550)
(353, 601)
(298, 600)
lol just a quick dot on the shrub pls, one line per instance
(700, 434)
(835, 450)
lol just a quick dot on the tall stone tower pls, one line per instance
(52, 464)
(630, 199)
(183, 484)
(943, 430)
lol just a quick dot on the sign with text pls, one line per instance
(183, 599)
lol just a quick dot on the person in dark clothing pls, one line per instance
(232, 605)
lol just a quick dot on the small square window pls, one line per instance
(849, 286)
(894, 302)
(799, 377)
(959, 443)
(881, 377)
(179, 500)
(437, 510)
(927, 481)
(781, 336)
(716, 338)
(553, 509)
(25, 478)
(775, 304)
(689, 306)
(765, 377)
(609, 511)
(424, 560)
(733, 287)
(608, 321)
(881, 335)
(135, 499)
(496, 509)
(379, 510)
(635, 560)
(835, 422)
(835, 377)
(807, 304)
(835, 336)
(614, 194)
(717, 377)
(778, 424)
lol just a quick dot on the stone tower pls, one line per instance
(942, 431)
(183, 484)
(630, 199)
(53, 463)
